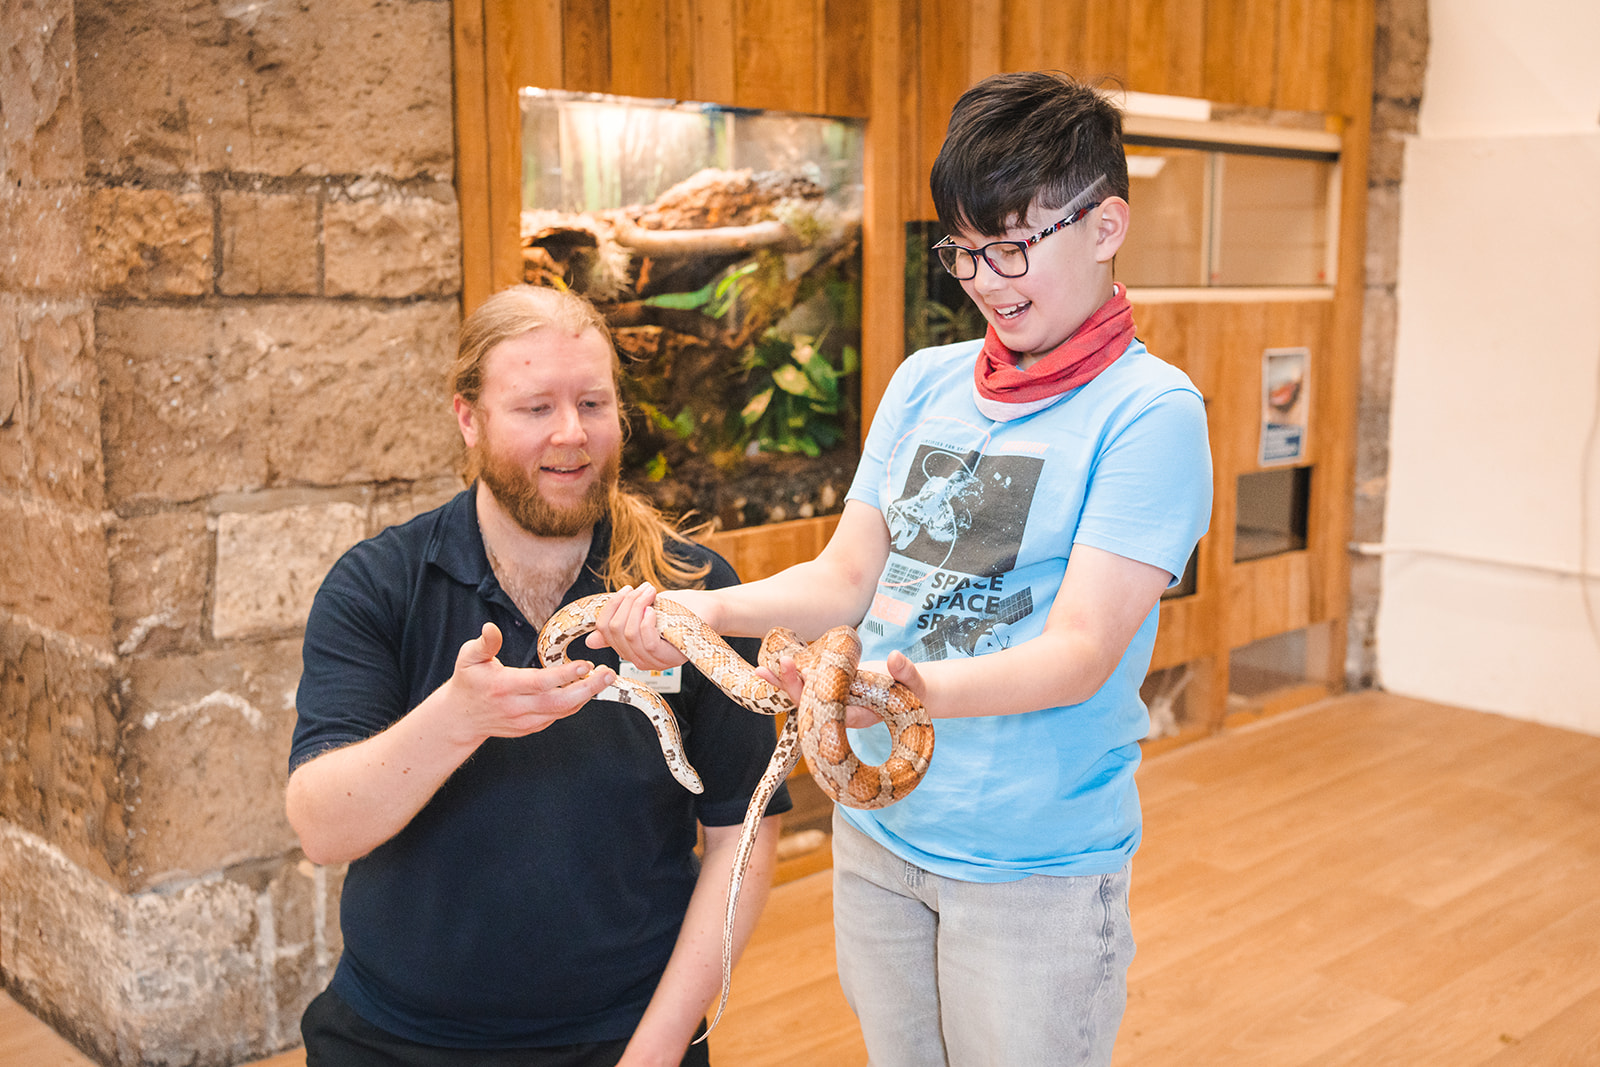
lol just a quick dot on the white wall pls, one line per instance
(1497, 370)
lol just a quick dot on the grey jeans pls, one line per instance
(973, 974)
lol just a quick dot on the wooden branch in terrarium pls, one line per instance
(686, 236)
(717, 241)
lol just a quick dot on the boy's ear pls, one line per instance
(1111, 228)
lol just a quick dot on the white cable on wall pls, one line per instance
(1384, 548)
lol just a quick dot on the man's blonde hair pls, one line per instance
(639, 533)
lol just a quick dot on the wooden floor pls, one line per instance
(1371, 881)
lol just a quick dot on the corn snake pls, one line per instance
(816, 728)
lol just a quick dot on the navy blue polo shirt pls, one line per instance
(536, 898)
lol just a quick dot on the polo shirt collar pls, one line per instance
(457, 545)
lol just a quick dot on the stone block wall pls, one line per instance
(58, 715)
(1399, 65)
(229, 286)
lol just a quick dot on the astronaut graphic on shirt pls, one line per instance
(963, 513)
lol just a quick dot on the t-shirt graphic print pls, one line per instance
(962, 514)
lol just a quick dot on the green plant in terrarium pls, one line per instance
(714, 299)
(681, 427)
(796, 396)
(944, 326)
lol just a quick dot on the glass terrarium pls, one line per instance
(723, 246)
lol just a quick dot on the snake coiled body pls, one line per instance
(816, 727)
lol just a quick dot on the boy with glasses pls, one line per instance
(1021, 504)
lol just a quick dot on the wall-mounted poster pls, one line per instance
(1285, 400)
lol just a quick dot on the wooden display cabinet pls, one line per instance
(900, 64)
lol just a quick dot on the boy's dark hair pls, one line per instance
(1015, 138)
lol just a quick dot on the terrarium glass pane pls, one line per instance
(1168, 191)
(589, 153)
(1273, 220)
(723, 246)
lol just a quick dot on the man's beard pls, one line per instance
(518, 493)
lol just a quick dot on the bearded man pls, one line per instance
(523, 886)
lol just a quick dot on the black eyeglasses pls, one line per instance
(1009, 259)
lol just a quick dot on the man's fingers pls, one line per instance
(573, 677)
(593, 681)
(570, 694)
(538, 696)
(481, 649)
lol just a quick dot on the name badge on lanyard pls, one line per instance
(667, 681)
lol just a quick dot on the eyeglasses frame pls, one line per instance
(1026, 244)
(1074, 214)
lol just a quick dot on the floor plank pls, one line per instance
(1571, 1039)
(1397, 883)
(26, 1040)
(1374, 880)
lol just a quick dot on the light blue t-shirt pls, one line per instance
(982, 517)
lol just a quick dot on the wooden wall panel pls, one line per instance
(914, 179)
(1187, 632)
(985, 37)
(586, 45)
(1269, 597)
(508, 44)
(882, 223)
(1024, 38)
(1296, 55)
(1235, 29)
(1351, 75)
(640, 47)
(1304, 54)
(848, 56)
(1102, 50)
(764, 550)
(776, 55)
(715, 24)
(473, 182)
(535, 55)
(1220, 345)
(1166, 46)
(1350, 72)
(680, 49)
(944, 73)
(1060, 40)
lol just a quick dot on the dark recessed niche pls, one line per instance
(1271, 513)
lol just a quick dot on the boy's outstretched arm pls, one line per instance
(810, 598)
(1103, 600)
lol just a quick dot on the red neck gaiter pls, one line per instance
(1004, 391)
